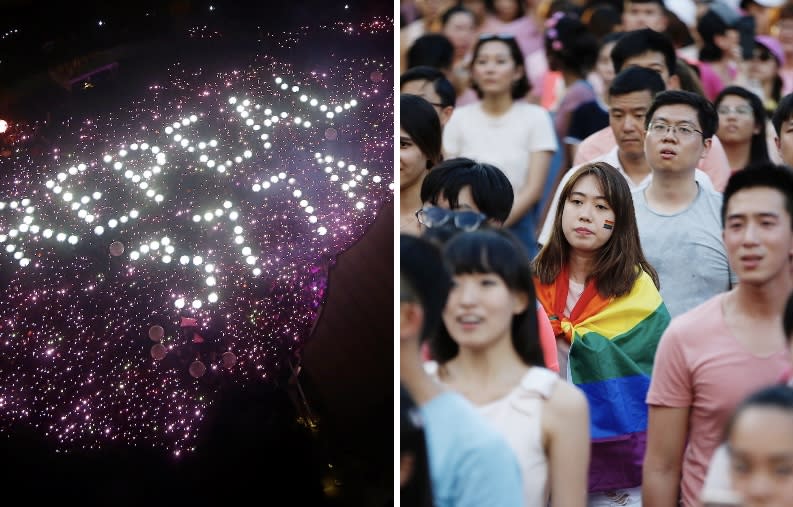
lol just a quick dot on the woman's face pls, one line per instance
(587, 218)
(506, 10)
(786, 34)
(493, 68)
(763, 66)
(412, 162)
(761, 456)
(736, 120)
(480, 309)
(461, 32)
(604, 67)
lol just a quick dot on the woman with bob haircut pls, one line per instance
(602, 298)
(419, 151)
(742, 127)
(504, 130)
(488, 350)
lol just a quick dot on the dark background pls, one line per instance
(260, 442)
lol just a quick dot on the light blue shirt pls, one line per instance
(470, 463)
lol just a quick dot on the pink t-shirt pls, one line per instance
(715, 163)
(699, 364)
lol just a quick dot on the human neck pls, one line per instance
(761, 301)
(580, 266)
(635, 167)
(670, 192)
(737, 154)
(483, 369)
(496, 105)
(410, 198)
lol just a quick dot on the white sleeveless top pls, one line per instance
(518, 417)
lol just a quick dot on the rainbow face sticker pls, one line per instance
(608, 224)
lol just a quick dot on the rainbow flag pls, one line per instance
(613, 343)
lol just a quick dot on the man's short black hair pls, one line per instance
(706, 113)
(761, 174)
(442, 86)
(421, 266)
(638, 42)
(636, 79)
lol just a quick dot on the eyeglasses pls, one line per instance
(432, 216)
(742, 110)
(501, 36)
(679, 131)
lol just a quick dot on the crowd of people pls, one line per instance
(596, 253)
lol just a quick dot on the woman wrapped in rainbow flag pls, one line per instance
(602, 298)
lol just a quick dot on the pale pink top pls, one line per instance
(702, 366)
(518, 417)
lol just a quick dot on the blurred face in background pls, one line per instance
(604, 67)
(785, 35)
(763, 66)
(506, 10)
(638, 15)
(493, 69)
(736, 120)
(461, 32)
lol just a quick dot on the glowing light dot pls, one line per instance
(166, 259)
(61, 236)
(57, 190)
(197, 260)
(264, 137)
(193, 118)
(323, 108)
(211, 281)
(184, 260)
(246, 250)
(144, 146)
(303, 98)
(24, 262)
(149, 192)
(97, 195)
(376, 179)
(303, 203)
(211, 164)
(122, 153)
(338, 109)
(133, 146)
(72, 240)
(329, 115)
(309, 209)
(334, 177)
(212, 297)
(213, 143)
(298, 120)
(256, 187)
(177, 137)
(297, 193)
(179, 303)
(144, 249)
(202, 145)
(11, 248)
(47, 234)
(49, 184)
(238, 159)
(239, 240)
(133, 214)
(274, 179)
(82, 213)
(226, 204)
(170, 249)
(196, 218)
(112, 223)
(257, 271)
(284, 86)
(203, 158)
(232, 100)
(169, 130)
(143, 185)
(67, 196)
(306, 124)
(353, 102)
(359, 205)
(61, 176)
(295, 89)
(89, 218)
(197, 304)
(124, 219)
(266, 185)
(99, 230)
(314, 102)
(267, 145)
(158, 198)
(322, 231)
(154, 245)
(209, 268)
(312, 219)
(237, 229)
(107, 159)
(23, 227)
(218, 212)
(184, 143)
(208, 216)
(72, 171)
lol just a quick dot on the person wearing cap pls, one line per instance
(762, 12)
(767, 59)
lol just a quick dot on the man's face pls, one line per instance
(638, 15)
(626, 119)
(652, 60)
(784, 141)
(426, 90)
(757, 235)
(670, 151)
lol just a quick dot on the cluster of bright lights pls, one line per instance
(221, 199)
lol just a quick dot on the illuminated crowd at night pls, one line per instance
(181, 240)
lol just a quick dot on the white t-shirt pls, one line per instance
(506, 141)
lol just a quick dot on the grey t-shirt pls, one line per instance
(686, 249)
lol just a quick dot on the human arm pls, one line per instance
(531, 191)
(566, 424)
(547, 340)
(490, 476)
(667, 428)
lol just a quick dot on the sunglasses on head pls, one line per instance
(465, 220)
(496, 36)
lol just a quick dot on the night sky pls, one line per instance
(167, 227)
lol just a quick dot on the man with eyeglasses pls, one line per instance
(679, 219)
